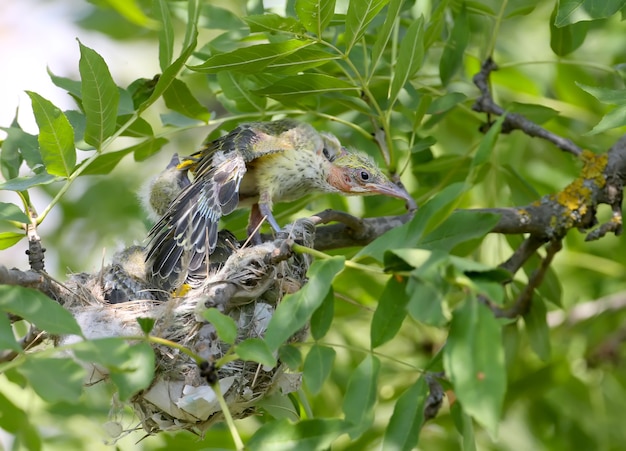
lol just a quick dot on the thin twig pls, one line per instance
(513, 121)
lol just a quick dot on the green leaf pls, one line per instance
(307, 84)
(474, 361)
(166, 32)
(132, 12)
(15, 421)
(147, 148)
(485, 148)
(404, 426)
(360, 14)
(567, 38)
(315, 15)
(426, 291)
(615, 118)
(169, 74)
(225, 326)
(100, 97)
(306, 435)
(146, 324)
(360, 397)
(56, 136)
(11, 212)
(383, 35)
(290, 356)
(429, 215)
(323, 316)
(410, 58)
(454, 229)
(139, 376)
(249, 59)
(452, 57)
(536, 113)
(37, 308)
(73, 87)
(24, 183)
(54, 380)
(256, 350)
(605, 95)
(317, 367)
(8, 239)
(234, 88)
(179, 98)
(537, 329)
(390, 312)
(301, 60)
(105, 163)
(573, 11)
(522, 192)
(279, 407)
(464, 425)
(19, 146)
(295, 309)
(273, 23)
(7, 337)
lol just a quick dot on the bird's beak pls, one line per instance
(388, 188)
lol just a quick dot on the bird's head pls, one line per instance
(358, 174)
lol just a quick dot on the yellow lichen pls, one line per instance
(594, 166)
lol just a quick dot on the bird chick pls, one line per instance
(256, 164)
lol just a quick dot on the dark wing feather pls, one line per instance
(188, 230)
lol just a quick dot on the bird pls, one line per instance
(256, 164)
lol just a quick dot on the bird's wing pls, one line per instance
(188, 230)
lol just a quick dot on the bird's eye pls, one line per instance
(326, 153)
(364, 176)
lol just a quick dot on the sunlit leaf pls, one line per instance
(410, 58)
(56, 137)
(307, 84)
(37, 308)
(100, 97)
(359, 15)
(573, 11)
(131, 11)
(613, 119)
(166, 32)
(249, 59)
(54, 379)
(315, 15)
(273, 23)
(295, 309)
(307, 435)
(383, 35)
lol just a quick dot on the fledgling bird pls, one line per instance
(256, 164)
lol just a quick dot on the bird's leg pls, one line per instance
(260, 212)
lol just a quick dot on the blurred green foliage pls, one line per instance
(400, 67)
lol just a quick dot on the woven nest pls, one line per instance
(247, 287)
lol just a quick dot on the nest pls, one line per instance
(247, 287)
